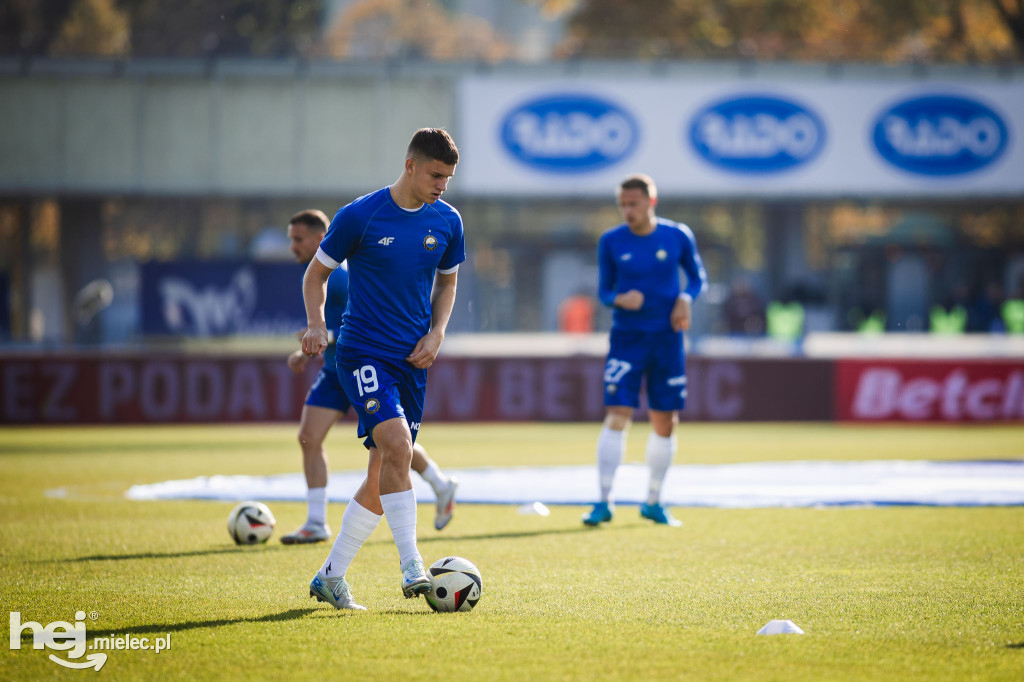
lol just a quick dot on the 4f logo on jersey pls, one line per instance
(430, 242)
(385, 241)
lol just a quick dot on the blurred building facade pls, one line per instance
(107, 166)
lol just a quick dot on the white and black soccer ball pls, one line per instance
(250, 523)
(456, 585)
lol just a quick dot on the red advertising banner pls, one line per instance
(934, 391)
(104, 388)
(145, 389)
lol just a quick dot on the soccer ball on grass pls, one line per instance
(250, 523)
(456, 585)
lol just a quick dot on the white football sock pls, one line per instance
(400, 511)
(357, 524)
(316, 505)
(432, 475)
(660, 451)
(611, 446)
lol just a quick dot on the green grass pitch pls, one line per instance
(896, 593)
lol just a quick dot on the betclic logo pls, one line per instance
(939, 135)
(757, 134)
(569, 133)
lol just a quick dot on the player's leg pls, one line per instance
(611, 448)
(316, 422)
(361, 517)
(667, 394)
(388, 397)
(623, 374)
(398, 501)
(444, 486)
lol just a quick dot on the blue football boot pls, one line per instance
(601, 513)
(658, 514)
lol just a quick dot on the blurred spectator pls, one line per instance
(950, 316)
(1013, 311)
(983, 314)
(866, 319)
(576, 314)
(744, 309)
(785, 320)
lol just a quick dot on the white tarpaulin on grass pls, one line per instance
(764, 484)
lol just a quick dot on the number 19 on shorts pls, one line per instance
(366, 379)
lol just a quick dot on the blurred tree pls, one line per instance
(376, 29)
(151, 28)
(92, 27)
(242, 28)
(846, 30)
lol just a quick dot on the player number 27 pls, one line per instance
(615, 370)
(366, 379)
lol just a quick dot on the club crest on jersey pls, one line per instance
(430, 242)
(661, 254)
(372, 405)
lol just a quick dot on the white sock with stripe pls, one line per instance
(357, 524)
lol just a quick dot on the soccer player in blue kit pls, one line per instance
(638, 265)
(403, 246)
(326, 401)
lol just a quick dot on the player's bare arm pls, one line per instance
(314, 294)
(630, 300)
(441, 303)
(680, 317)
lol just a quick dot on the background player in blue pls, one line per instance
(326, 402)
(403, 246)
(638, 265)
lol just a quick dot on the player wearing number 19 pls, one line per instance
(638, 267)
(403, 246)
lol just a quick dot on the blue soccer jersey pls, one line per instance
(392, 256)
(649, 264)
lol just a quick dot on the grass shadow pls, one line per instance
(173, 555)
(164, 628)
(513, 535)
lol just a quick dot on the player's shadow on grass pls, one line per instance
(177, 555)
(511, 535)
(164, 628)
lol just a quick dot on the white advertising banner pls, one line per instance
(706, 137)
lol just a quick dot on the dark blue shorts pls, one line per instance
(326, 391)
(381, 389)
(657, 357)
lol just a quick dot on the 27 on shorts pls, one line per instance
(657, 357)
(326, 390)
(381, 389)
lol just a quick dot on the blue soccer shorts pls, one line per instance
(636, 355)
(326, 390)
(381, 389)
